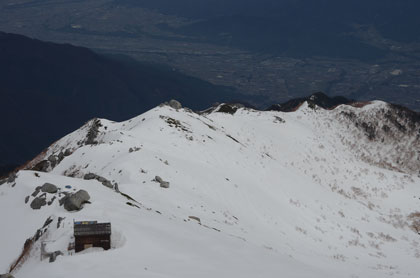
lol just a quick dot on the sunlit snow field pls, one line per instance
(299, 194)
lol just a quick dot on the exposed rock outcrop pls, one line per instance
(10, 179)
(228, 108)
(53, 160)
(93, 132)
(42, 166)
(175, 104)
(50, 163)
(104, 181)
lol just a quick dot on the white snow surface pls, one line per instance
(277, 195)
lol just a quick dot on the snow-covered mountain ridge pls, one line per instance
(310, 193)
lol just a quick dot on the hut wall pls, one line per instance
(83, 242)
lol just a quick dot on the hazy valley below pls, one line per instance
(275, 50)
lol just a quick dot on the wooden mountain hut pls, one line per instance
(92, 234)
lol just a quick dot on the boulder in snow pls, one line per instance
(38, 202)
(195, 218)
(54, 255)
(101, 179)
(90, 176)
(158, 179)
(107, 183)
(164, 184)
(49, 188)
(75, 201)
(36, 191)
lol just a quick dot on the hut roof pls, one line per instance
(91, 228)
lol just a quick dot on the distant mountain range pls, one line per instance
(49, 89)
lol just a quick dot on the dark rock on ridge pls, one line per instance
(42, 166)
(319, 99)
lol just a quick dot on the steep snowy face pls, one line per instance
(233, 191)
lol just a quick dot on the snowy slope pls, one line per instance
(310, 193)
